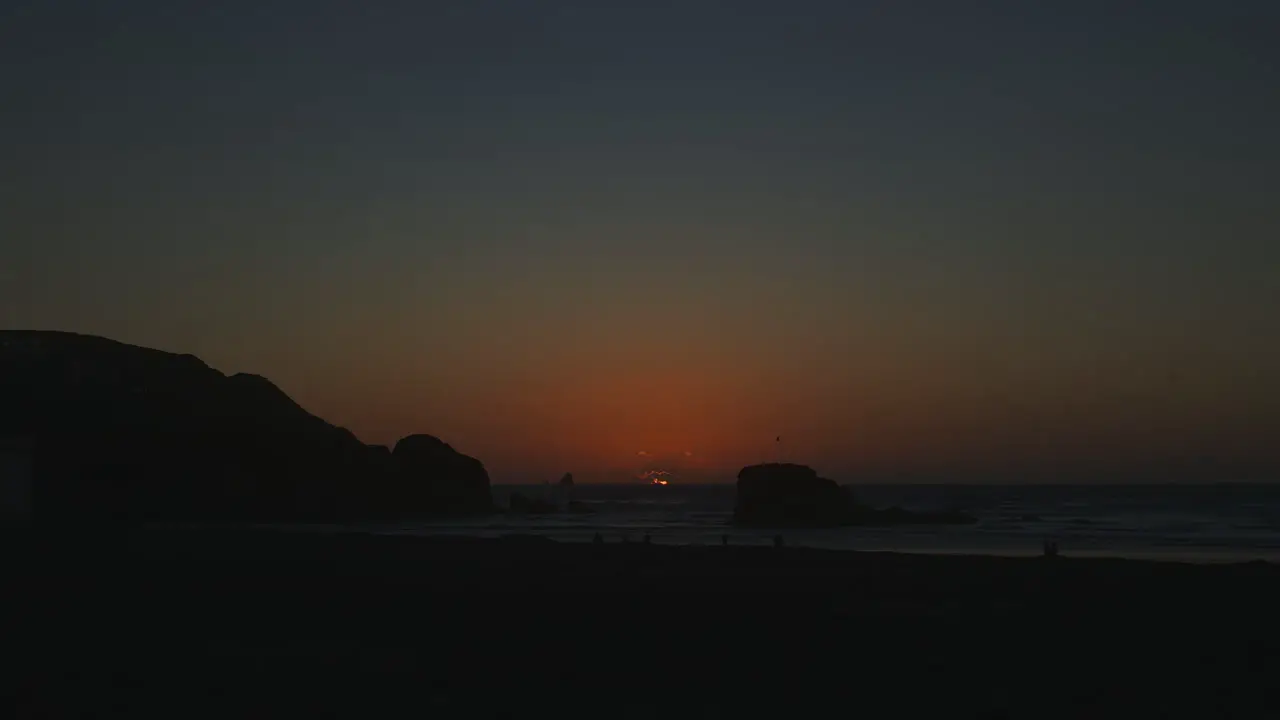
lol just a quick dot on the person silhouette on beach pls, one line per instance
(1050, 548)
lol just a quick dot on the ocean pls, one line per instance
(1195, 523)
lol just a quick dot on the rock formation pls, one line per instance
(124, 434)
(442, 478)
(788, 495)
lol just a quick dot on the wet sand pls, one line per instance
(236, 623)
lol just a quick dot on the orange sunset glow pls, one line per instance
(709, 405)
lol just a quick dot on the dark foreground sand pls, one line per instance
(238, 624)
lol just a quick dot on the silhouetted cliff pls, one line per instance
(125, 433)
(788, 495)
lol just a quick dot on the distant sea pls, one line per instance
(1197, 523)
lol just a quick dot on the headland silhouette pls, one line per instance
(120, 433)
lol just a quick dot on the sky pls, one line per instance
(916, 240)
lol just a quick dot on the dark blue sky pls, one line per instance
(950, 220)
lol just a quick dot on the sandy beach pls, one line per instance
(246, 623)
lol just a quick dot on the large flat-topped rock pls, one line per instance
(788, 495)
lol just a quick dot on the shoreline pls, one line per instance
(250, 551)
(890, 539)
